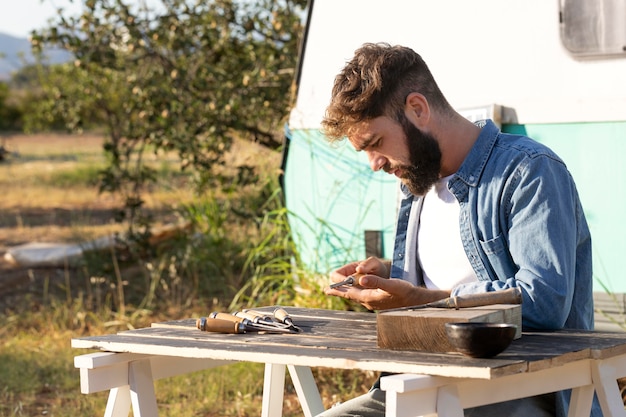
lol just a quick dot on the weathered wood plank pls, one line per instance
(366, 359)
(425, 329)
(311, 326)
(308, 339)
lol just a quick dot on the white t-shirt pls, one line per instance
(440, 250)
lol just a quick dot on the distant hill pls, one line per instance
(14, 52)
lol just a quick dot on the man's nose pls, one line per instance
(377, 161)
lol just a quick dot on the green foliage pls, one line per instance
(63, 97)
(270, 264)
(184, 78)
(10, 114)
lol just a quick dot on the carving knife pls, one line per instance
(508, 296)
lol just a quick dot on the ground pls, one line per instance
(34, 209)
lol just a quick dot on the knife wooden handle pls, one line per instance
(209, 324)
(508, 296)
(227, 317)
(257, 314)
(246, 315)
(281, 315)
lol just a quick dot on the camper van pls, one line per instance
(553, 70)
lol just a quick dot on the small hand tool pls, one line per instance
(281, 315)
(347, 282)
(258, 317)
(243, 325)
(262, 318)
(230, 317)
(351, 281)
(266, 317)
(207, 324)
(509, 296)
(250, 317)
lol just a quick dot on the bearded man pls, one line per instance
(481, 211)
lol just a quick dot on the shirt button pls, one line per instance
(400, 255)
(472, 178)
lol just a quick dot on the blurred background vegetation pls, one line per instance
(164, 116)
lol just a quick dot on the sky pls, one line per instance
(19, 17)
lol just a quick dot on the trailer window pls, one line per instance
(593, 28)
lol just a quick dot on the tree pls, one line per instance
(10, 114)
(184, 76)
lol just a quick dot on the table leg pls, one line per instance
(273, 390)
(307, 391)
(118, 404)
(410, 395)
(411, 404)
(605, 382)
(141, 385)
(581, 401)
(448, 403)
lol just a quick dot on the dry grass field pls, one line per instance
(48, 194)
(34, 209)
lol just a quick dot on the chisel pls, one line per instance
(243, 324)
(350, 281)
(281, 315)
(509, 296)
(258, 317)
(251, 324)
(208, 324)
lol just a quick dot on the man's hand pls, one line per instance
(377, 292)
(370, 266)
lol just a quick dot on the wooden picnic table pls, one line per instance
(424, 383)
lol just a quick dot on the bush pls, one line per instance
(10, 114)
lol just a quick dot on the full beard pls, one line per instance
(424, 158)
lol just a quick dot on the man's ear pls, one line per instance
(417, 109)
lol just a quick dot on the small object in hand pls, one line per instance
(348, 282)
(480, 339)
(351, 281)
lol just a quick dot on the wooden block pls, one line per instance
(425, 329)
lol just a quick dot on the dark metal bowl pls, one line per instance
(480, 340)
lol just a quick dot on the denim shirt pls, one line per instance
(522, 225)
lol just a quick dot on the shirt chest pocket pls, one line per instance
(497, 253)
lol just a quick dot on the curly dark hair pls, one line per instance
(376, 83)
